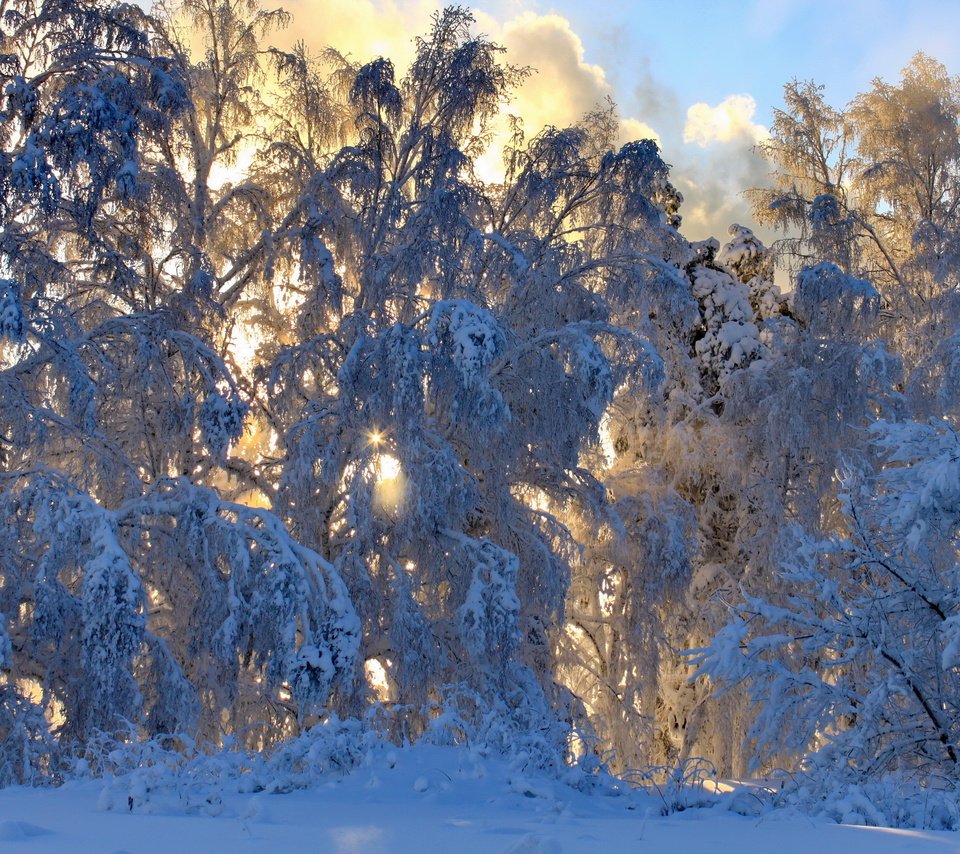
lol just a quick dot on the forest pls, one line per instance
(308, 431)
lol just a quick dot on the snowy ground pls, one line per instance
(427, 799)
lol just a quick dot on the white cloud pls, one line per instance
(719, 162)
(561, 88)
(361, 29)
(731, 120)
(631, 129)
(564, 85)
(712, 181)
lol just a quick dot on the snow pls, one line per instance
(475, 334)
(430, 798)
(11, 311)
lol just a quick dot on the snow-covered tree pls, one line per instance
(855, 664)
(459, 354)
(828, 641)
(873, 188)
(132, 596)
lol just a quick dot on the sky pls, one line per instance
(700, 76)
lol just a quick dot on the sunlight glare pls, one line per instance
(389, 485)
(377, 679)
(388, 468)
